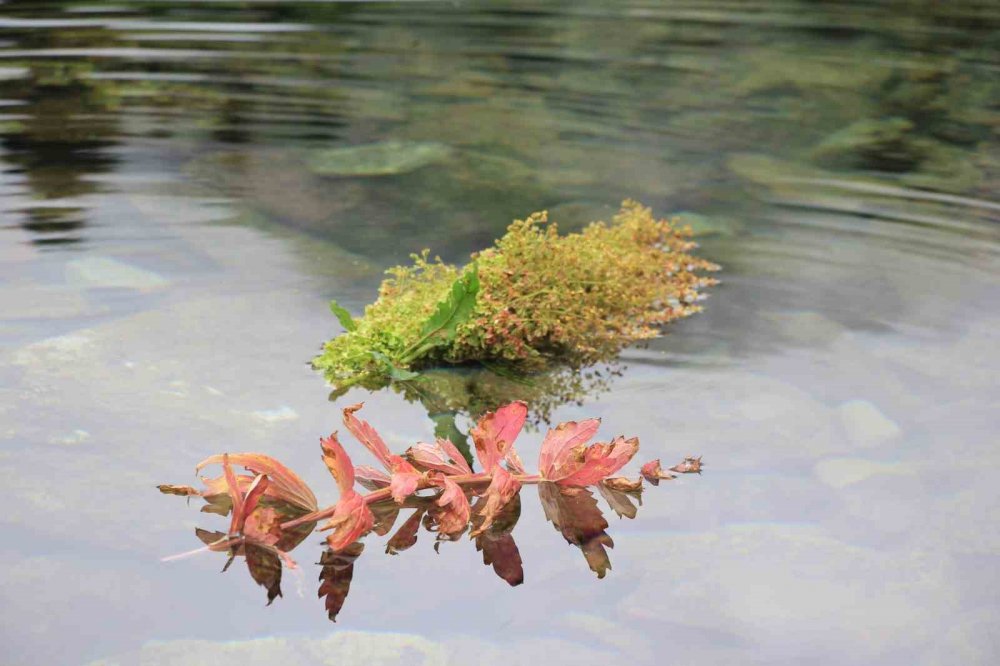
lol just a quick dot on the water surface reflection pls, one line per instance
(840, 159)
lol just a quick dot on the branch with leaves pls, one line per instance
(272, 510)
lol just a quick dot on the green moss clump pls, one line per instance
(540, 299)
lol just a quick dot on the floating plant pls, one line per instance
(272, 510)
(534, 301)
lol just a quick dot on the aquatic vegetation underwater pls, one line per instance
(272, 510)
(533, 301)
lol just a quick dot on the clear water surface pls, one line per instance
(172, 224)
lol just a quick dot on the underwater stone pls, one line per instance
(843, 472)
(40, 302)
(343, 647)
(54, 352)
(884, 144)
(865, 424)
(893, 145)
(283, 413)
(76, 437)
(386, 158)
(105, 272)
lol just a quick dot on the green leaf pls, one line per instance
(441, 327)
(343, 316)
(394, 372)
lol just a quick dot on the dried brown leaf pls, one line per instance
(336, 575)
(575, 514)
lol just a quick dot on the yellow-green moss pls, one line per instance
(543, 299)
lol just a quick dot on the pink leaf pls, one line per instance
(285, 485)
(339, 463)
(454, 517)
(600, 461)
(652, 472)
(441, 456)
(257, 489)
(514, 463)
(366, 434)
(235, 496)
(351, 520)
(371, 478)
(405, 479)
(563, 445)
(495, 433)
(503, 487)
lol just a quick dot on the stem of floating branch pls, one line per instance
(222, 544)
(689, 465)
(382, 494)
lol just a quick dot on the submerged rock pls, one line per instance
(708, 225)
(865, 424)
(885, 145)
(894, 145)
(843, 472)
(105, 272)
(385, 158)
(351, 647)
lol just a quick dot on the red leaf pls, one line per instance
(285, 485)
(405, 479)
(514, 462)
(495, 433)
(235, 496)
(336, 576)
(441, 456)
(503, 487)
(563, 445)
(454, 517)
(263, 526)
(366, 434)
(351, 520)
(339, 463)
(598, 461)
(406, 535)
(252, 498)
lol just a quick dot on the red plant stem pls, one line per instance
(382, 494)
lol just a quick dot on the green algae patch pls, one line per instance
(533, 301)
(386, 158)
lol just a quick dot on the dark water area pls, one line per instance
(185, 185)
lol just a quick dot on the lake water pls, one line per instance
(173, 223)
